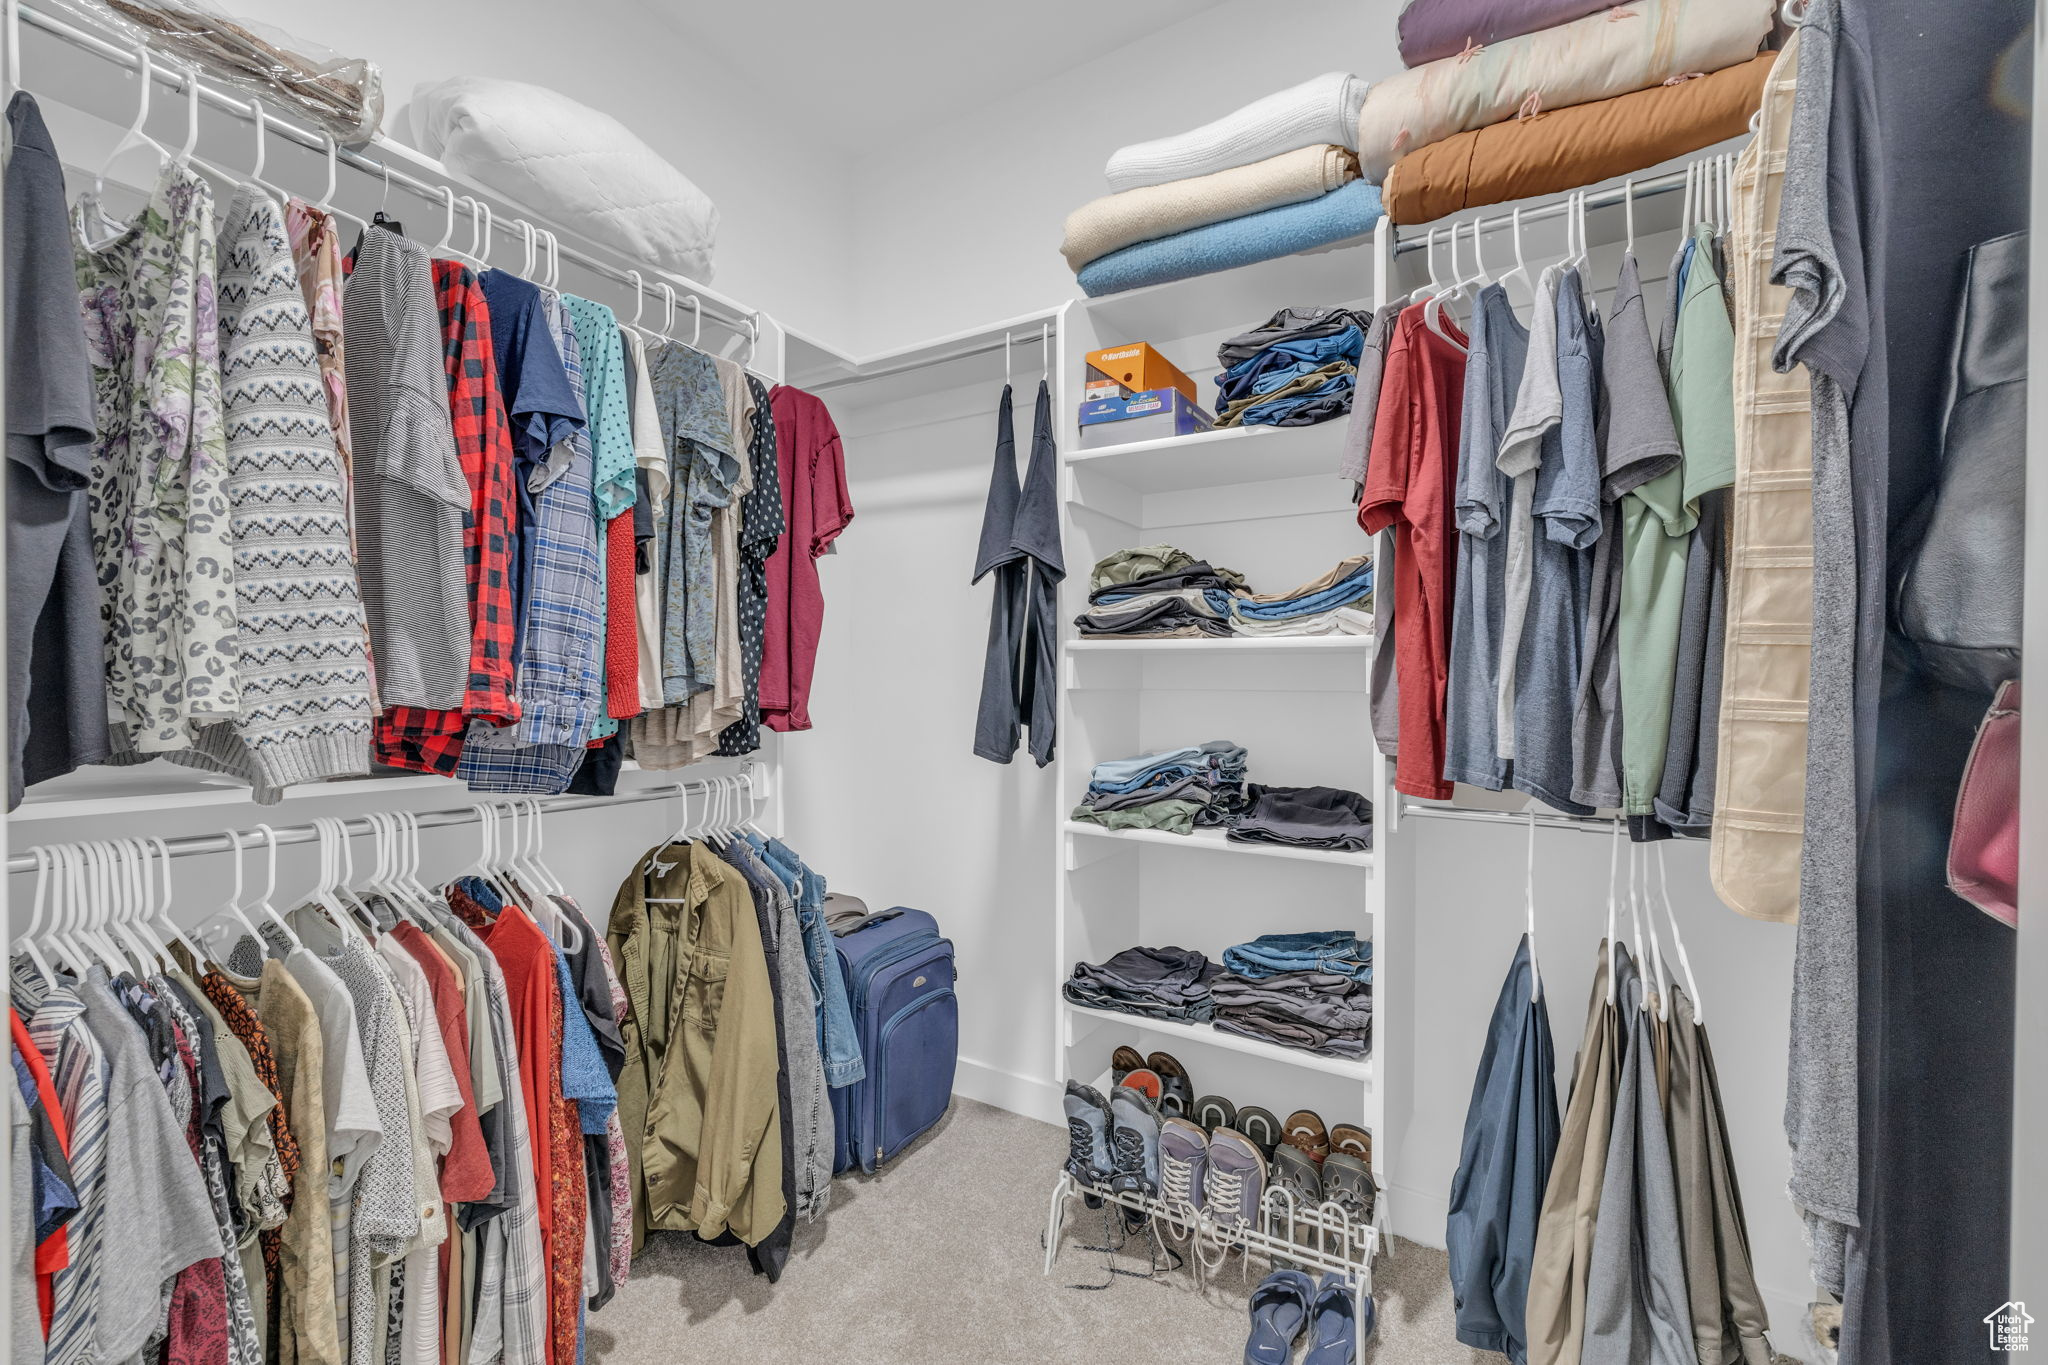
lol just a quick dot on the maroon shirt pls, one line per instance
(816, 508)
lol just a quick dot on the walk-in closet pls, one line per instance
(897, 685)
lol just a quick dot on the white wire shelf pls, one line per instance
(1360, 1071)
(1228, 645)
(1213, 841)
(1223, 456)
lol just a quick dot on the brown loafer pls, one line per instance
(1123, 1062)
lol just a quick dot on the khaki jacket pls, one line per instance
(697, 1098)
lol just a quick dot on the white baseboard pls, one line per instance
(1417, 1214)
(1027, 1095)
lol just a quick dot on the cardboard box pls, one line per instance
(1140, 368)
(1144, 416)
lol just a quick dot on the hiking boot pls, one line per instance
(1134, 1142)
(1236, 1183)
(1090, 1159)
(1183, 1163)
(1348, 1183)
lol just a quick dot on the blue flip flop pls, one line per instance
(1279, 1311)
(1334, 1341)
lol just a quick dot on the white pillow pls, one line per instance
(575, 165)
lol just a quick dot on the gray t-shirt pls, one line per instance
(1365, 396)
(411, 495)
(1493, 374)
(1638, 441)
(1529, 440)
(56, 663)
(1565, 508)
(157, 1217)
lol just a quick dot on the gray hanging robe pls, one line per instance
(1511, 1131)
(996, 720)
(1020, 544)
(1636, 1304)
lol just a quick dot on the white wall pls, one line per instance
(781, 196)
(959, 222)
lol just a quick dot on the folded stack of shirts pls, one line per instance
(1278, 176)
(1159, 592)
(1159, 983)
(1305, 817)
(1309, 991)
(1507, 100)
(1297, 369)
(1338, 603)
(1172, 791)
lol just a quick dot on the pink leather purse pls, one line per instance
(1984, 846)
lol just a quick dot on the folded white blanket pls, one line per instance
(1324, 110)
(1119, 220)
(1632, 46)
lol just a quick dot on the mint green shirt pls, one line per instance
(1657, 521)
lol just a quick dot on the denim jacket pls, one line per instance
(836, 1035)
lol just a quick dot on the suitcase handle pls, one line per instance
(868, 922)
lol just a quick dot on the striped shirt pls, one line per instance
(56, 1024)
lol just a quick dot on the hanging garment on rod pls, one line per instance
(816, 509)
(1020, 545)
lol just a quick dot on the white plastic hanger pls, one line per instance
(327, 204)
(1520, 269)
(1613, 948)
(135, 136)
(62, 894)
(163, 909)
(255, 176)
(131, 920)
(697, 323)
(668, 314)
(1454, 288)
(26, 944)
(554, 258)
(1628, 214)
(98, 900)
(1692, 986)
(1429, 259)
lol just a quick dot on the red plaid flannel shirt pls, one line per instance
(414, 736)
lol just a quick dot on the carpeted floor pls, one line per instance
(936, 1262)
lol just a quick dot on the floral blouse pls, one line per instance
(158, 498)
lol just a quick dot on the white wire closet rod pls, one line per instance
(193, 845)
(174, 72)
(1611, 197)
(1010, 340)
(1514, 819)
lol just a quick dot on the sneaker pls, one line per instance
(1089, 1157)
(1134, 1140)
(1348, 1183)
(1176, 1091)
(1123, 1062)
(1183, 1163)
(1236, 1182)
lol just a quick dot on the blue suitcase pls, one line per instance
(899, 981)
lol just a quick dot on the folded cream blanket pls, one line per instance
(1118, 220)
(1323, 110)
(1630, 47)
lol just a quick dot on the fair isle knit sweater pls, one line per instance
(305, 712)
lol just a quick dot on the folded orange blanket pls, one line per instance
(1561, 149)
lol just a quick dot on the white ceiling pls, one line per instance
(858, 72)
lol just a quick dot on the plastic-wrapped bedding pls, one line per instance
(1629, 47)
(1434, 29)
(1341, 214)
(1566, 148)
(1323, 110)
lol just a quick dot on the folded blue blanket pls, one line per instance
(1346, 212)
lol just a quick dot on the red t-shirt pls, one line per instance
(53, 1253)
(466, 1174)
(621, 624)
(815, 508)
(1408, 486)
